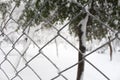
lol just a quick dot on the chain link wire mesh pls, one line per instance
(8, 67)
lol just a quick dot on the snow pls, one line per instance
(110, 68)
(118, 2)
(83, 28)
(67, 57)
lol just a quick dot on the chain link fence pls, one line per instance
(11, 67)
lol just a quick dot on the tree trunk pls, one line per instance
(110, 47)
(80, 55)
(81, 31)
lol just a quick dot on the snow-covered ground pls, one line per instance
(67, 56)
